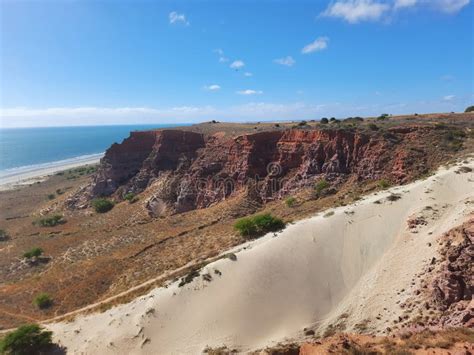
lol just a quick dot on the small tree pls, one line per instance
(28, 339)
(324, 120)
(469, 109)
(33, 253)
(43, 300)
(102, 205)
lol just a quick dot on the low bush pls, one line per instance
(3, 235)
(384, 184)
(320, 186)
(324, 120)
(51, 221)
(28, 339)
(373, 127)
(102, 205)
(393, 197)
(382, 117)
(43, 300)
(51, 196)
(35, 252)
(302, 123)
(130, 197)
(469, 109)
(290, 201)
(258, 225)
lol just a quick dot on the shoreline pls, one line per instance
(13, 178)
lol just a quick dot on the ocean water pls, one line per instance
(25, 148)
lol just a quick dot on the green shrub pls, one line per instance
(302, 123)
(258, 225)
(3, 235)
(35, 252)
(51, 196)
(373, 127)
(382, 117)
(320, 186)
(28, 339)
(102, 205)
(384, 184)
(43, 300)
(324, 120)
(290, 201)
(130, 197)
(469, 109)
(51, 221)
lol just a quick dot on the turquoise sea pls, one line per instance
(24, 148)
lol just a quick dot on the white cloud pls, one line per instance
(354, 11)
(175, 18)
(404, 3)
(449, 97)
(318, 44)
(288, 61)
(222, 57)
(213, 87)
(250, 92)
(248, 74)
(450, 6)
(237, 64)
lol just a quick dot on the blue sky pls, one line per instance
(108, 62)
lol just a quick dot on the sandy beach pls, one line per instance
(350, 260)
(9, 179)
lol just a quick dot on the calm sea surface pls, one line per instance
(28, 147)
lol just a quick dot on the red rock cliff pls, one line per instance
(186, 170)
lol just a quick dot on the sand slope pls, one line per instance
(353, 261)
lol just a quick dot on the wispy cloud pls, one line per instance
(222, 57)
(450, 6)
(399, 4)
(288, 61)
(449, 97)
(213, 87)
(237, 64)
(249, 92)
(254, 111)
(319, 44)
(248, 74)
(175, 18)
(354, 11)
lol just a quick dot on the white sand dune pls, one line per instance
(353, 261)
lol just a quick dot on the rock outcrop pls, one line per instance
(185, 170)
(453, 287)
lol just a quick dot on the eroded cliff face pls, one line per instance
(185, 170)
